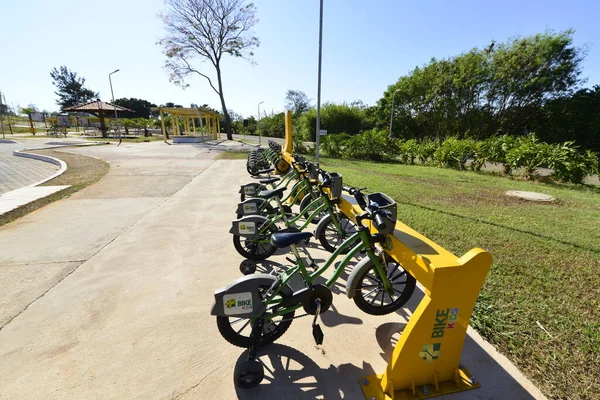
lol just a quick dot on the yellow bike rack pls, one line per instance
(426, 360)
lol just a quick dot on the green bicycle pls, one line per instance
(256, 310)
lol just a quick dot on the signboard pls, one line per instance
(36, 116)
(323, 132)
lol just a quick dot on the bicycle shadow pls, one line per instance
(291, 374)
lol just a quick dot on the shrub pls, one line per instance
(371, 145)
(409, 151)
(570, 165)
(481, 154)
(334, 144)
(298, 145)
(425, 151)
(530, 154)
(454, 153)
(497, 147)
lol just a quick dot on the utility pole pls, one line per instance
(258, 124)
(7, 115)
(113, 101)
(319, 83)
(1, 117)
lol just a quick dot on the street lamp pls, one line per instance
(392, 113)
(318, 128)
(113, 100)
(258, 123)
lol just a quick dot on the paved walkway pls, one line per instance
(16, 172)
(113, 301)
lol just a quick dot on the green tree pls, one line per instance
(71, 90)
(571, 118)
(141, 108)
(208, 30)
(482, 91)
(336, 118)
(297, 101)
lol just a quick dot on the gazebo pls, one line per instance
(209, 124)
(100, 109)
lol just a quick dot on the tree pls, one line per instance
(141, 108)
(335, 118)
(207, 30)
(6, 110)
(478, 93)
(71, 90)
(29, 109)
(297, 101)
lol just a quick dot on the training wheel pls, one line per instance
(248, 374)
(247, 267)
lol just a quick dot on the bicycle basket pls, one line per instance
(384, 202)
(336, 185)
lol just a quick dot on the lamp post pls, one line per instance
(318, 128)
(113, 100)
(392, 111)
(258, 123)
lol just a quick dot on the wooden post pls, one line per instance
(162, 123)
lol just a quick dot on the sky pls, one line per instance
(367, 45)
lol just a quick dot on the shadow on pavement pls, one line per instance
(290, 374)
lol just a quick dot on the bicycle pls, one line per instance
(256, 310)
(251, 233)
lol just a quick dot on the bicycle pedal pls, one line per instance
(318, 335)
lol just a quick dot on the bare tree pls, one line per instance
(207, 30)
(297, 101)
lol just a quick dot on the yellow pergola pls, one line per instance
(210, 125)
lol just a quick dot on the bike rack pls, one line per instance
(426, 360)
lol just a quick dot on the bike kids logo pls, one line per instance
(239, 303)
(444, 319)
(229, 303)
(248, 228)
(430, 352)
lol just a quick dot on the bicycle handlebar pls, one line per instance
(379, 222)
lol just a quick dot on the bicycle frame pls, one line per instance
(300, 267)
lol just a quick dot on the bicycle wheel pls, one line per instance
(373, 299)
(237, 330)
(330, 238)
(258, 248)
(307, 208)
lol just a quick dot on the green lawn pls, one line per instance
(546, 262)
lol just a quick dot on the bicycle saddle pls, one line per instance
(265, 171)
(268, 181)
(282, 240)
(267, 194)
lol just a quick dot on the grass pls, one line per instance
(546, 262)
(230, 155)
(82, 171)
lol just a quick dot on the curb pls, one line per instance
(60, 163)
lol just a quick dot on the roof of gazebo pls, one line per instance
(187, 112)
(97, 106)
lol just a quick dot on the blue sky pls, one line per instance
(367, 45)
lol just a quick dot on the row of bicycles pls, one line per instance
(283, 214)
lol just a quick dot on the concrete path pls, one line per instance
(17, 172)
(113, 300)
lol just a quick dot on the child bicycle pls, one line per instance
(256, 310)
(252, 233)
